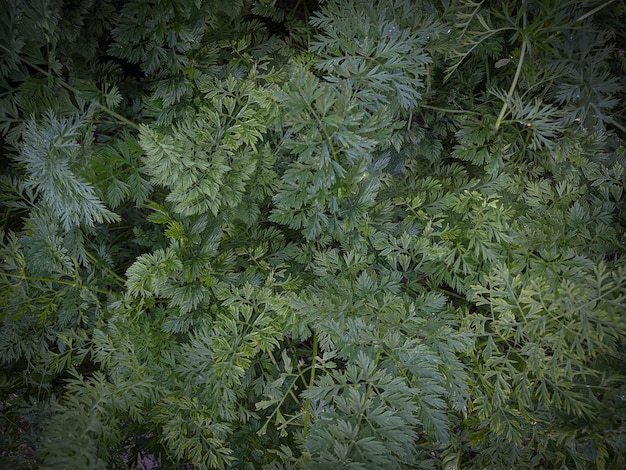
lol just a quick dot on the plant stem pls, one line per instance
(514, 83)
(307, 404)
(596, 9)
(120, 281)
(68, 87)
(451, 111)
(56, 281)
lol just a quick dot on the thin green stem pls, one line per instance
(307, 403)
(616, 124)
(279, 404)
(118, 279)
(290, 390)
(68, 87)
(450, 71)
(320, 123)
(518, 72)
(57, 281)
(470, 17)
(450, 111)
(592, 12)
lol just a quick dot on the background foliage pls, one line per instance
(334, 234)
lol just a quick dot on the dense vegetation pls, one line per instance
(336, 234)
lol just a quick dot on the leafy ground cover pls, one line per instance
(333, 234)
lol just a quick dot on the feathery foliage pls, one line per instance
(298, 234)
